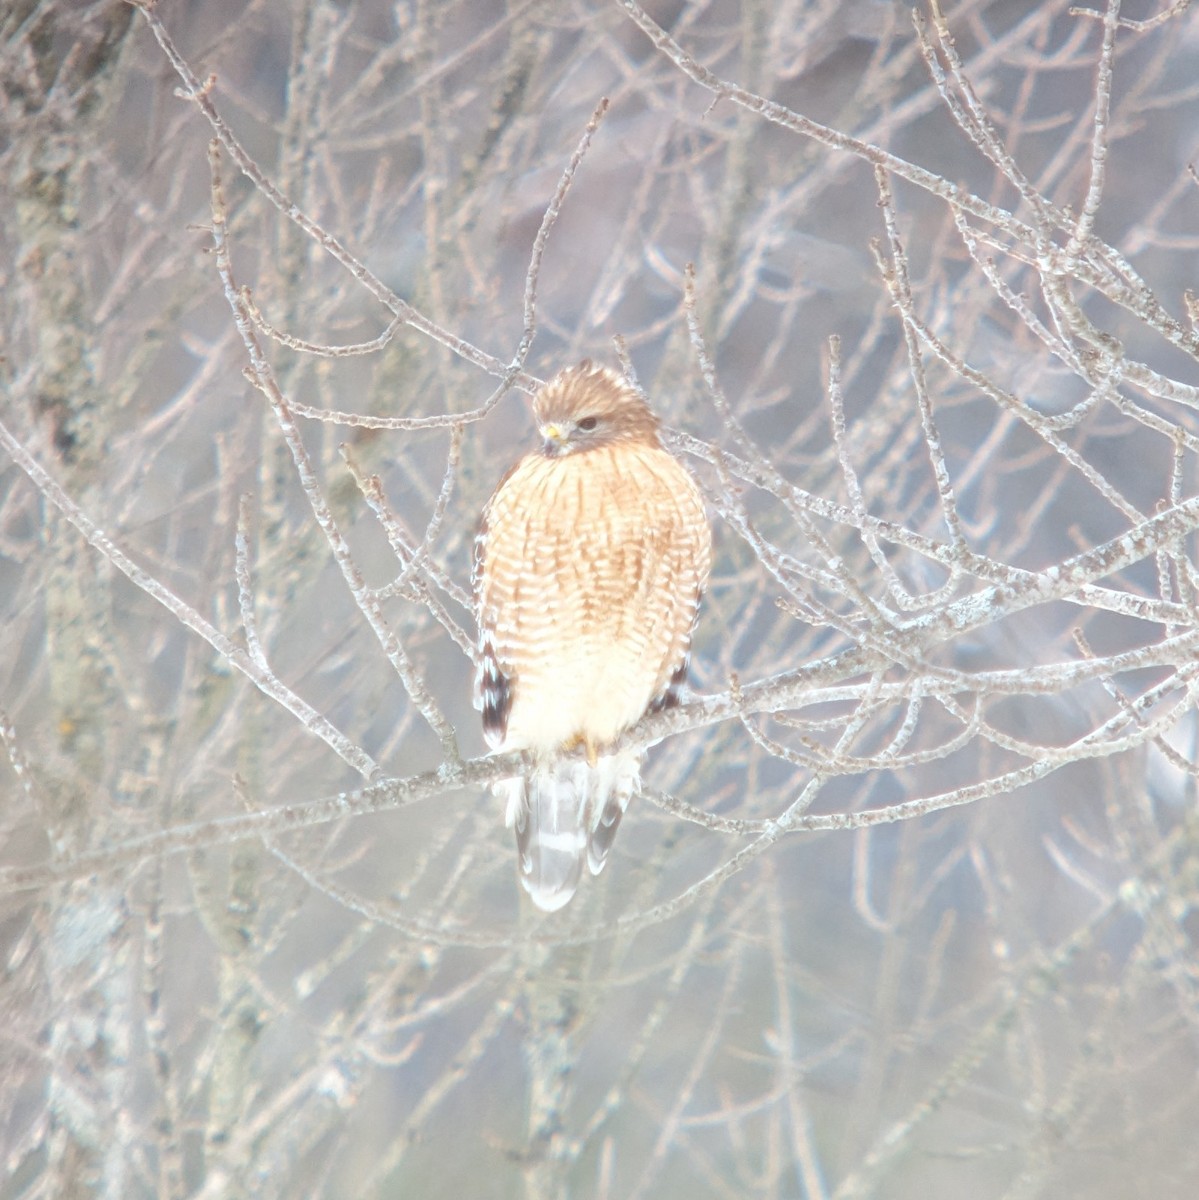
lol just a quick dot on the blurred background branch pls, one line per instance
(907, 907)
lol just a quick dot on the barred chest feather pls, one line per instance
(592, 568)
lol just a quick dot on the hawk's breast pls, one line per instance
(592, 568)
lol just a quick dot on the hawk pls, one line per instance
(590, 562)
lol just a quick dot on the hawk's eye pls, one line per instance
(587, 424)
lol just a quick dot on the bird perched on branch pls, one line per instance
(590, 561)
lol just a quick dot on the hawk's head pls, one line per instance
(585, 407)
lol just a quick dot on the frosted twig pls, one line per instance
(901, 291)
(184, 613)
(262, 377)
(1103, 96)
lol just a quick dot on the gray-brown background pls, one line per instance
(991, 993)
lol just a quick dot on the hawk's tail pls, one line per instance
(564, 812)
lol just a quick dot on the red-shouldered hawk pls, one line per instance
(589, 566)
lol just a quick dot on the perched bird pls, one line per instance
(590, 561)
